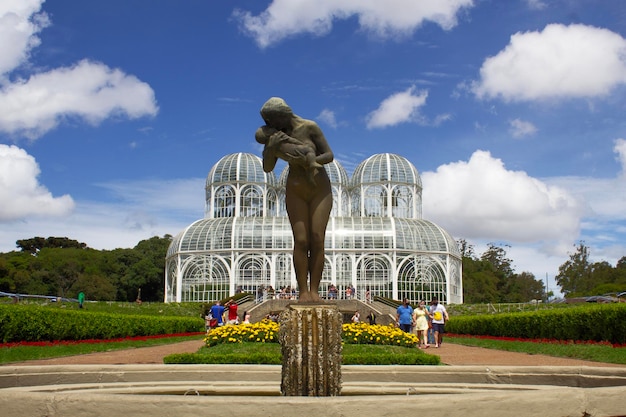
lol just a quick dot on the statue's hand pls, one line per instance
(298, 155)
(277, 138)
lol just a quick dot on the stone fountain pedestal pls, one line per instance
(310, 338)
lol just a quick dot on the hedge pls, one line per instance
(32, 323)
(600, 322)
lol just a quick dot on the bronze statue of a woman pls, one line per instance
(308, 195)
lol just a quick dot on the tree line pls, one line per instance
(64, 267)
(491, 278)
(59, 266)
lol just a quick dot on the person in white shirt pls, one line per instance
(356, 318)
(440, 317)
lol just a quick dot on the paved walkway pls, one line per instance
(450, 354)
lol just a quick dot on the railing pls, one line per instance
(386, 301)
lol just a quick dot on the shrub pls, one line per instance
(32, 323)
(600, 322)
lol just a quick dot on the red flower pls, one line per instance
(555, 341)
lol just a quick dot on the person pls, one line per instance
(233, 318)
(308, 205)
(404, 316)
(217, 311)
(371, 317)
(208, 321)
(290, 149)
(368, 295)
(81, 299)
(440, 316)
(356, 317)
(332, 292)
(246, 317)
(420, 318)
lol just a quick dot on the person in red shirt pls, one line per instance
(233, 318)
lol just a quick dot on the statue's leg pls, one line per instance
(298, 211)
(320, 212)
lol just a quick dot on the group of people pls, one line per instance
(269, 293)
(371, 317)
(422, 319)
(219, 315)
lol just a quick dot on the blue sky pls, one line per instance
(112, 113)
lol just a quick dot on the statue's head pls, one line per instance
(275, 106)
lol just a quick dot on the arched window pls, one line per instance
(206, 278)
(251, 201)
(253, 271)
(224, 202)
(373, 273)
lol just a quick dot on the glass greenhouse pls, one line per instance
(376, 238)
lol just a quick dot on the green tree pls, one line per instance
(575, 275)
(144, 269)
(523, 288)
(466, 249)
(480, 283)
(35, 244)
(496, 256)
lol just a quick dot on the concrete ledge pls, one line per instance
(192, 390)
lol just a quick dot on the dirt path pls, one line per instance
(449, 353)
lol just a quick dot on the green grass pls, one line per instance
(590, 352)
(26, 353)
(270, 354)
(352, 354)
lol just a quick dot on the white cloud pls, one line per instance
(481, 199)
(536, 4)
(520, 128)
(20, 21)
(328, 117)
(605, 197)
(171, 196)
(21, 195)
(620, 150)
(285, 18)
(88, 90)
(559, 62)
(542, 219)
(141, 209)
(91, 91)
(398, 108)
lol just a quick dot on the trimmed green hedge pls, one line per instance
(600, 322)
(270, 354)
(32, 323)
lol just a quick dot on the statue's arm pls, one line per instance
(324, 153)
(269, 159)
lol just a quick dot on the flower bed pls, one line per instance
(365, 334)
(265, 331)
(353, 333)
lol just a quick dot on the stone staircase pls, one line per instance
(385, 313)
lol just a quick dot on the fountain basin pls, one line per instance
(192, 390)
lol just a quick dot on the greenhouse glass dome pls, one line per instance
(376, 238)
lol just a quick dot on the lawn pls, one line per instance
(597, 352)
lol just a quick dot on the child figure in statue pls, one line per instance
(290, 149)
